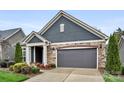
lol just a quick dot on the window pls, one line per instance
(24, 54)
(61, 27)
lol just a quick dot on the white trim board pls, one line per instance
(56, 58)
(75, 48)
(36, 44)
(74, 42)
(27, 37)
(97, 58)
(52, 21)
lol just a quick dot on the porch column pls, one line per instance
(27, 55)
(34, 54)
(44, 54)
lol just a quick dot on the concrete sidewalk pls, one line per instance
(68, 75)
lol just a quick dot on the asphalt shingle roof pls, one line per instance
(6, 33)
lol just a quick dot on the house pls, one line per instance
(121, 49)
(66, 42)
(8, 40)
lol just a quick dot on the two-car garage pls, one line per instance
(77, 58)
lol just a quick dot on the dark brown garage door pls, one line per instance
(78, 58)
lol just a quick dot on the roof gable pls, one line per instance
(5, 34)
(76, 21)
(34, 37)
(72, 32)
(35, 40)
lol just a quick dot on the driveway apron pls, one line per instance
(68, 75)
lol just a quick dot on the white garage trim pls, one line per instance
(76, 42)
(97, 58)
(77, 48)
(56, 58)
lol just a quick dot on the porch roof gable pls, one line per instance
(34, 37)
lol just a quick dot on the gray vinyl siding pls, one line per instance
(35, 40)
(72, 32)
(8, 47)
(122, 52)
(16, 38)
(8, 52)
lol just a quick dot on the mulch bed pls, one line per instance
(29, 75)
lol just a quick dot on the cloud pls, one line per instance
(109, 26)
(27, 27)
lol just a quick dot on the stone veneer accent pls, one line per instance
(100, 45)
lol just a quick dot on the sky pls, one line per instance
(33, 20)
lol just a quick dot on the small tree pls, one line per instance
(118, 33)
(113, 64)
(119, 29)
(18, 53)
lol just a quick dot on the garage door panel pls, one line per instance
(82, 58)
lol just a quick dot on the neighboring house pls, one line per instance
(67, 42)
(121, 49)
(8, 40)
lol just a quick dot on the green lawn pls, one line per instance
(110, 78)
(11, 77)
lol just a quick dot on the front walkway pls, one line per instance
(68, 75)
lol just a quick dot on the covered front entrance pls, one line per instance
(36, 48)
(37, 54)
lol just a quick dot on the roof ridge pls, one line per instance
(11, 29)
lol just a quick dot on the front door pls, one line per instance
(39, 54)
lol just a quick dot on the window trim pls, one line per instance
(24, 54)
(62, 27)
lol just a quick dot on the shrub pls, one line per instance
(25, 70)
(11, 68)
(17, 67)
(11, 63)
(37, 64)
(47, 66)
(110, 78)
(35, 70)
(52, 65)
(113, 64)
(42, 66)
(3, 64)
(18, 53)
(122, 70)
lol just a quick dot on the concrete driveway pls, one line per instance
(68, 75)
